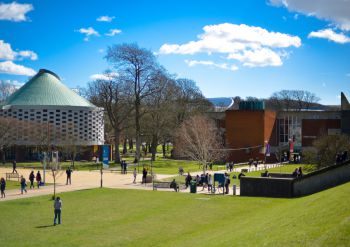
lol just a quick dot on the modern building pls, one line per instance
(249, 130)
(46, 112)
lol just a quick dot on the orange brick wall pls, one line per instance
(247, 129)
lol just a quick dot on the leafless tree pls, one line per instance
(6, 89)
(328, 146)
(292, 100)
(115, 97)
(137, 66)
(198, 139)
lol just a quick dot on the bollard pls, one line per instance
(234, 189)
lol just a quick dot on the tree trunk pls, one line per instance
(131, 144)
(125, 150)
(154, 147)
(163, 149)
(116, 146)
(138, 129)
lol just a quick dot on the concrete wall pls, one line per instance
(321, 180)
(266, 187)
(308, 184)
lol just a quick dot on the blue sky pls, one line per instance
(230, 48)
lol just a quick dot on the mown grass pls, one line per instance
(107, 217)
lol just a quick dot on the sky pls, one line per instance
(229, 48)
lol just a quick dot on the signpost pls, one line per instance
(105, 156)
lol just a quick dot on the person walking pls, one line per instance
(69, 176)
(31, 179)
(38, 179)
(188, 179)
(57, 210)
(144, 175)
(2, 187)
(23, 185)
(135, 175)
(14, 165)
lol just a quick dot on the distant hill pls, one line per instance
(221, 101)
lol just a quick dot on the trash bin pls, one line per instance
(234, 189)
(193, 187)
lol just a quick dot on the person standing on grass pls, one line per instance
(135, 175)
(38, 179)
(14, 165)
(23, 185)
(69, 176)
(31, 179)
(2, 187)
(57, 205)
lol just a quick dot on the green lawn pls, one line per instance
(288, 168)
(110, 217)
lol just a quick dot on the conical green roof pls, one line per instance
(46, 89)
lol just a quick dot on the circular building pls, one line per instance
(44, 112)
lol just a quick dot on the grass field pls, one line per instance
(108, 217)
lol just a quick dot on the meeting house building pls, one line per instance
(46, 113)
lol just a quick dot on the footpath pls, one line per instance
(82, 180)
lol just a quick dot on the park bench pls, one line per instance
(244, 170)
(166, 185)
(12, 175)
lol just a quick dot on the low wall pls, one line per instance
(267, 187)
(322, 179)
(294, 187)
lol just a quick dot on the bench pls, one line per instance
(244, 170)
(166, 185)
(12, 175)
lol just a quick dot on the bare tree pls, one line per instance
(137, 66)
(198, 139)
(6, 89)
(328, 147)
(292, 100)
(114, 96)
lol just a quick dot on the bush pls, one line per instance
(328, 147)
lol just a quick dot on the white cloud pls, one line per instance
(15, 83)
(27, 54)
(14, 11)
(335, 11)
(8, 67)
(209, 63)
(113, 32)
(6, 53)
(88, 32)
(240, 42)
(257, 58)
(105, 18)
(101, 50)
(330, 35)
(104, 77)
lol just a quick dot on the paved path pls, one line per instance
(91, 179)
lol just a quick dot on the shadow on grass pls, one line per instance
(45, 226)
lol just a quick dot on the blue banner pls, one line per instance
(105, 156)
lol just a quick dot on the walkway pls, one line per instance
(91, 179)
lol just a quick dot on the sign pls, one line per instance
(219, 177)
(105, 156)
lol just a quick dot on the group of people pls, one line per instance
(206, 181)
(230, 166)
(124, 167)
(341, 157)
(23, 181)
(298, 172)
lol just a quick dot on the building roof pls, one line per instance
(45, 89)
(221, 104)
